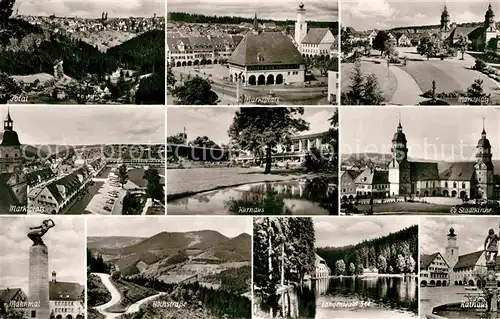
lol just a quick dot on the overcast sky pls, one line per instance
(149, 226)
(91, 8)
(339, 232)
(65, 243)
(215, 121)
(471, 233)
(386, 14)
(317, 10)
(70, 125)
(432, 133)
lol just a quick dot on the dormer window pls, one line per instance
(260, 58)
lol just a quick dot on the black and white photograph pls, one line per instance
(82, 52)
(420, 52)
(324, 267)
(458, 267)
(91, 160)
(252, 52)
(252, 160)
(43, 267)
(420, 161)
(169, 267)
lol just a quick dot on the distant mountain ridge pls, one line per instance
(155, 250)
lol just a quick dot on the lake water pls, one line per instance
(378, 297)
(304, 197)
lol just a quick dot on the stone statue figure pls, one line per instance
(491, 245)
(37, 232)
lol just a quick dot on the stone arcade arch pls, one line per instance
(178, 63)
(261, 80)
(423, 283)
(184, 63)
(344, 198)
(215, 61)
(209, 61)
(426, 193)
(463, 194)
(453, 193)
(471, 282)
(196, 62)
(434, 193)
(279, 79)
(251, 80)
(432, 283)
(460, 283)
(446, 193)
(444, 283)
(351, 197)
(456, 283)
(190, 63)
(438, 283)
(270, 79)
(59, 317)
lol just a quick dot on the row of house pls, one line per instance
(406, 38)
(66, 299)
(55, 195)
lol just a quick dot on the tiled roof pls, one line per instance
(65, 291)
(266, 48)
(468, 260)
(6, 295)
(70, 182)
(43, 174)
(372, 177)
(458, 171)
(426, 260)
(315, 35)
(424, 171)
(8, 197)
(201, 42)
(353, 174)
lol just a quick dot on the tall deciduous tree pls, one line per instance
(154, 188)
(8, 88)
(204, 141)
(352, 269)
(122, 175)
(339, 267)
(475, 94)
(261, 129)
(195, 91)
(302, 239)
(428, 47)
(462, 44)
(179, 138)
(380, 41)
(381, 264)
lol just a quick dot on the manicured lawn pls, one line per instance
(406, 207)
(387, 80)
(449, 76)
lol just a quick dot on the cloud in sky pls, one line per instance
(70, 125)
(65, 242)
(339, 232)
(453, 137)
(387, 14)
(149, 226)
(91, 8)
(276, 10)
(471, 233)
(214, 122)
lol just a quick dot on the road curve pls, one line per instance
(116, 297)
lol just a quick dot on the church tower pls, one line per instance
(445, 24)
(300, 26)
(10, 148)
(484, 168)
(451, 253)
(490, 27)
(399, 167)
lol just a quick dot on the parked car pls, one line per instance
(110, 201)
(107, 208)
(113, 195)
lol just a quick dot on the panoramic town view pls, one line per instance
(420, 53)
(458, 267)
(264, 53)
(176, 267)
(43, 267)
(252, 160)
(392, 163)
(87, 52)
(104, 166)
(320, 267)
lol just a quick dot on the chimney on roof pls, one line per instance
(54, 276)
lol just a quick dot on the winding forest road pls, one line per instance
(116, 298)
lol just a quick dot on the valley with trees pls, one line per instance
(198, 274)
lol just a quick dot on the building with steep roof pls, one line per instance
(66, 299)
(321, 269)
(13, 187)
(348, 184)
(312, 42)
(478, 37)
(473, 180)
(372, 182)
(266, 58)
(453, 268)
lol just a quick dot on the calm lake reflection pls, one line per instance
(391, 292)
(299, 197)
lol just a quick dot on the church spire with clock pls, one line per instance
(399, 167)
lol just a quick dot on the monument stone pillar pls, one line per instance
(38, 292)
(39, 280)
